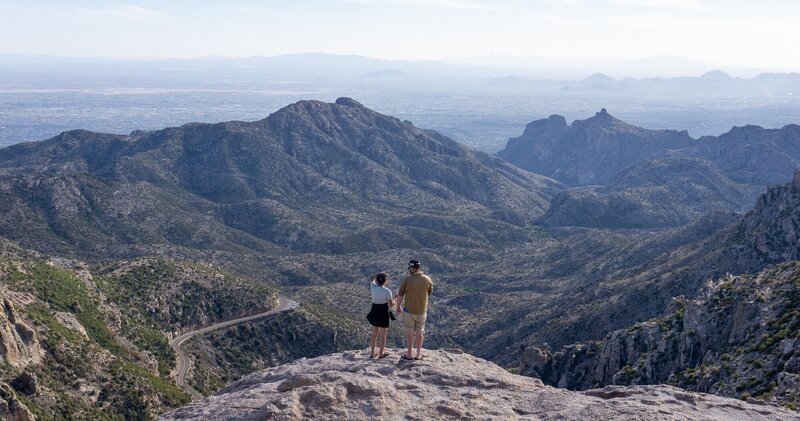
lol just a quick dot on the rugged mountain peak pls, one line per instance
(588, 151)
(319, 120)
(555, 124)
(321, 109)
(348, 102)
(603, 118)
(446, 385)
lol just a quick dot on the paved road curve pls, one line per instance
(183, 362)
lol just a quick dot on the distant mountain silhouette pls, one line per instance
(716, 75)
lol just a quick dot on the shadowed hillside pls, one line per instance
(311, 177)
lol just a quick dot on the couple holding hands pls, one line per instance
(411, 298)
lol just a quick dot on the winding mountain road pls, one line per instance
(183, 362)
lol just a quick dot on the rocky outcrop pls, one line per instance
(11, 409)
(26, 382)
(768, 234)
(446, 385)
(19, 344)
(773, 226)
(738, 337)
(71, 322)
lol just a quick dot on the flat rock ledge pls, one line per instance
(447, 384)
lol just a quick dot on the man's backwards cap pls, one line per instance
(413, 264)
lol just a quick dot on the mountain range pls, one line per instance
(594, 150)
(569, 234)
(735, 336)
(629, 177)
(350, 67)
(311, 177)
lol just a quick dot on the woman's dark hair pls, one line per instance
(381, 278)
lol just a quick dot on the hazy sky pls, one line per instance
(751, 33)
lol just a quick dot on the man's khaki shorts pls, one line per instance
(415, 322)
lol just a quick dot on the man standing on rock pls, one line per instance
(413, 298)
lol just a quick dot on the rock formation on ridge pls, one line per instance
(446, 385)
(738, 337)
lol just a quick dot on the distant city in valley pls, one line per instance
(481, 106)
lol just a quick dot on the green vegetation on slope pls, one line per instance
(119, 367)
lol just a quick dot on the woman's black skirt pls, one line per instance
(379, 315)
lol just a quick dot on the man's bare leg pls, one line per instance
(418, 341)
(410, 342)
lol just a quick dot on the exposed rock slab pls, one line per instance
(447, 385)
(71, 322)
(11, 409)
(19, 345)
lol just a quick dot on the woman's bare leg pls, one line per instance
(383, 340)
(375, 331)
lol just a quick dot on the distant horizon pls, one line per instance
(443, 59)
(701, 67)
(733, 33)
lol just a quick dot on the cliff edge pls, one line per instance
(447, 385)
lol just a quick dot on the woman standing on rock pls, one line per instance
(379, 314)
